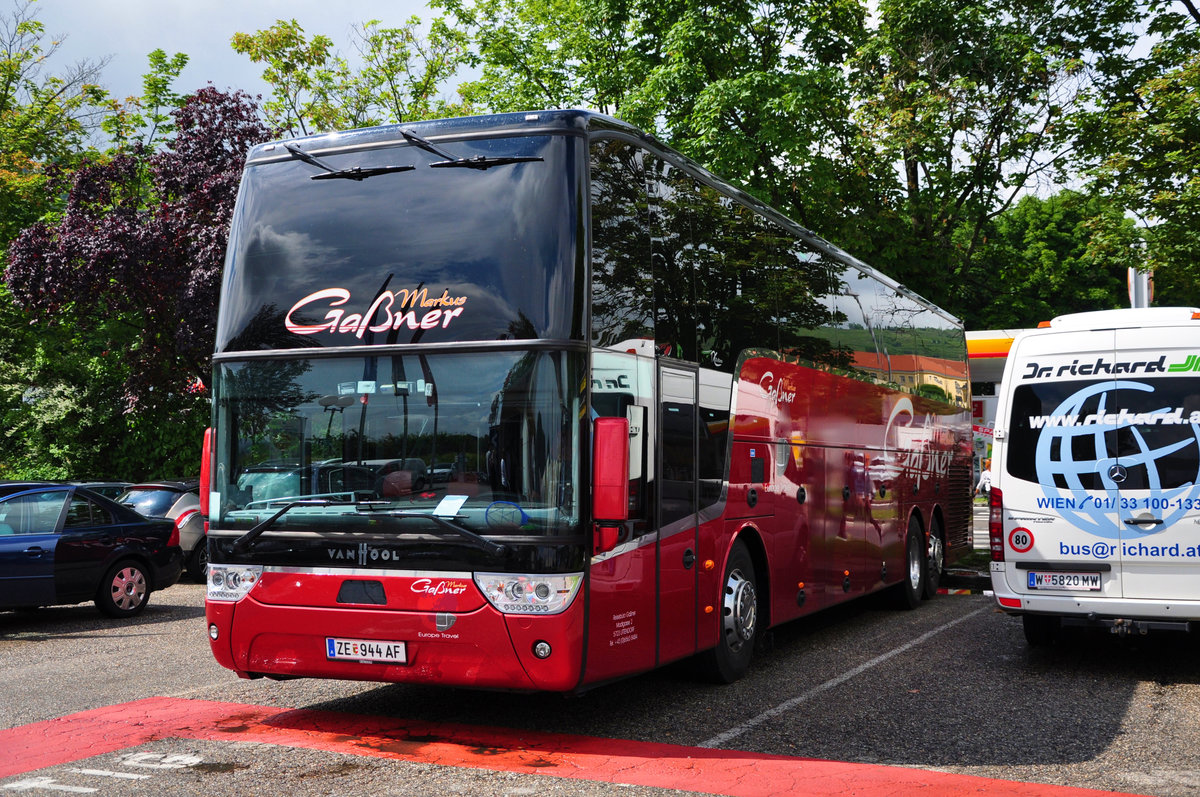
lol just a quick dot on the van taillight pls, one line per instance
(996, 525)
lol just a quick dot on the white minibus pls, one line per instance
(1095, 502)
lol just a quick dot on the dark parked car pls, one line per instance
(178, 501)
(106, 489)
(65, 544)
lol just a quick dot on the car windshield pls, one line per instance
(488, 441)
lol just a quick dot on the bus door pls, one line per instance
(622, 582)
(1157, 467)
(677, 510)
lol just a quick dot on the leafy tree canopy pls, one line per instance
(1063, 254)
(1142, 144)
(44, 116)
(314, 88)
(149, 254)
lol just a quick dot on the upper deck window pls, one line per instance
(423, 255)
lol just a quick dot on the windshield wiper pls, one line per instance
(242, 543)
(357, 173)
(482, 543)
(481, 162)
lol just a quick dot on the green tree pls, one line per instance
(147, 119)
(755, 92)
(314, 88)
(44, 116)
(122, 287)
(971, 101)
(1142, 144)
(1066, 253)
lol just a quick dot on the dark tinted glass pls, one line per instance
(622, 280)
(429, 255)
(1067, 433)
(368, 429)
(150, 502)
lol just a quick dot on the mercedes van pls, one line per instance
(1095, 502)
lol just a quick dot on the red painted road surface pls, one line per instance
(729, 772)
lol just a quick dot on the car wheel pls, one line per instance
(730, 659)
(124, 590)
(912, 586)
(1040, 629)
(198, 561)
(935, 559)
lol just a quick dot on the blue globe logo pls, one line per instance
(1073, 453)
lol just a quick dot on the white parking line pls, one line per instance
(788, 705)
(108, 773)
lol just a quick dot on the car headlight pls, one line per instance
(231, 582)
(514, 593)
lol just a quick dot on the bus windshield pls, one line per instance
(489, 441)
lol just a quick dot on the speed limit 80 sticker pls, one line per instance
(1020, 540)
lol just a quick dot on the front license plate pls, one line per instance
(1071, 581)
(365, 650)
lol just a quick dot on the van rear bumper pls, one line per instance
(1122, 615)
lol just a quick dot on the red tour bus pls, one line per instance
(531, 402)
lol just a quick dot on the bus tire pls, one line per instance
(935, 558)
(911, 589)
(1040, 629)
(125, 590)
(730, 659)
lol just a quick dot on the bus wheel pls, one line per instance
(730, 659)
(1040, 629)
(912, 586)
(935, 559)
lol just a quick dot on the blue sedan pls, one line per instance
(65, 544)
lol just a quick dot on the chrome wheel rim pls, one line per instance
(740, 610)
(128, 588)
(914, 567)
(937, 554)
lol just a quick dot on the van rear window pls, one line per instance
(1068, 434)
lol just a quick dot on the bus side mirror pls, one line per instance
(205, 472)
(610, 480)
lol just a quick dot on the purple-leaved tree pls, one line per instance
(141, 239)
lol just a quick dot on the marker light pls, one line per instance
(231, 582)
(513, 593)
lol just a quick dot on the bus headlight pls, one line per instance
(231, 582)
(513, 593)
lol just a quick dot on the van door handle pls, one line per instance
(1133, 521)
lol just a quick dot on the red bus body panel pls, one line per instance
(452, 637)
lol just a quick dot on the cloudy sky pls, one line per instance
(127, 30)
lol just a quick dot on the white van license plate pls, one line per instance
(1075, 581)
(365, 650)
